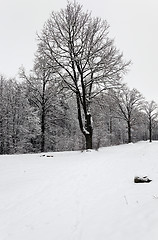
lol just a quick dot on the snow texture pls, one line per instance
(85, 131)
(80, 196)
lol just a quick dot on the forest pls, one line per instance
(75, 96)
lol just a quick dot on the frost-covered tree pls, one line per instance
(46, 95)
(151, 111)
(86, 59)
(62, 128)
(129, 103)
(18, 125)
(2, 112)
(42, 91)
(108, 129)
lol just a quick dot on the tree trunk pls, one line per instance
(43, 116)
(150, 130)
(43, 131)
(110, 129)
(1, 138)
(88, 141)
(129, 132)
(89, 129)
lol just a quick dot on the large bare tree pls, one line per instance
(88, 62)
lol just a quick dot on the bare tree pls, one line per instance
(88, 63)
(42, 90)
(129, 103)
(151, 111)
(111, 129)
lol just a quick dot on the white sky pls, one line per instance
(133, 24)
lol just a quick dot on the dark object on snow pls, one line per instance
(46, 155)
(142, 179)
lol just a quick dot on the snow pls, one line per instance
(85, 131)
(80, 195)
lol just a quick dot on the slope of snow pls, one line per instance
(80, 196)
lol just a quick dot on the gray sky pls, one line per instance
(133, 25)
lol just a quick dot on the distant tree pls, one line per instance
(108, 128)
(26, 121)
(151, 111)
(87, 61)
(42, 91)
(45, 94)
(129, 103)
(17, 120)
(2, 112)
(62, 128)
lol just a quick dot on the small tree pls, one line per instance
(151, 111)
(129, 103)
(87, 61)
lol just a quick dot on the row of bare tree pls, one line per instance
(130, 107)
(35, 121)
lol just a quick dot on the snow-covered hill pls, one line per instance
(80, 196)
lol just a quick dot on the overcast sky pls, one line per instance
(133, 25)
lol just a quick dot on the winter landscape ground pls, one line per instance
(80, 195)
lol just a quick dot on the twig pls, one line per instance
(125, 199)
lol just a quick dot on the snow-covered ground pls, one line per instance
(80, 196)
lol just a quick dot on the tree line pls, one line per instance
(74, 97)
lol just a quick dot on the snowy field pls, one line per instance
(80, 196)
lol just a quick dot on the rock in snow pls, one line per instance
(142, 179)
